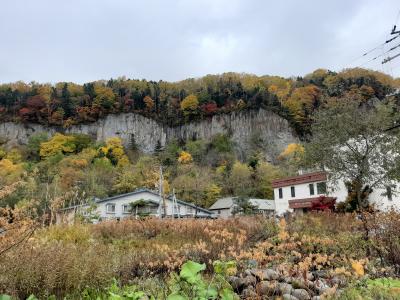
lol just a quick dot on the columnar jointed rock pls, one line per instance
(272, 130)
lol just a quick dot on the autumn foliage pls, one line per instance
(66, 103)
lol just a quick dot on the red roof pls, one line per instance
(305, 178)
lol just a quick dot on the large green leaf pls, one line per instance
(227, 294)
(190, 271)
(134, 295)
(113, 296)
(176, 297)
(5, 297)
(225, 268)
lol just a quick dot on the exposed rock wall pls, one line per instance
(265, 128)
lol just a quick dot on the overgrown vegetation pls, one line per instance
(136, 257)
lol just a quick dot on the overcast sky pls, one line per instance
(85, 40)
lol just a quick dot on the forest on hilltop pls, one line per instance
(174, 103)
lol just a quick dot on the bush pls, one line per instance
(384, 236)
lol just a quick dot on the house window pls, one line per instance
(311, 187)
(389, 194)
(292, 191)
(126, 209)
(321, 188)
(280, 193)
(153, 210)
(219, 211)
(110, 208)
(189, 210)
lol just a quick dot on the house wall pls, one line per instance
(119, 202)
(225, 213)
(337, 190)
(301, 191)
(184, 210)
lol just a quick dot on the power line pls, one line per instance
(395, 34)
(386, 60)
(380, 55)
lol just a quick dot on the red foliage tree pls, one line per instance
(26, 113)
(36, 102)
(323, 203)
(209, 108)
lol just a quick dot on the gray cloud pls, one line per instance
(83, 40)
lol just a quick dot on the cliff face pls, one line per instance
(268, 130)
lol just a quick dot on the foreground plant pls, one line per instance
(372, 289)
(190, 284)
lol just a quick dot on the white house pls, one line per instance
(224, 207)
(147, 203)
(302, 192)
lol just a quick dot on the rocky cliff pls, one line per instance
(265, 128)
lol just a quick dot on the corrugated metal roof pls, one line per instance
(264, 204)
(228, 202)
(222, 203)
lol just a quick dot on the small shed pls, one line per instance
(225, 207)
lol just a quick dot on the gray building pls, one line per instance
(225, 207)
(141, 202)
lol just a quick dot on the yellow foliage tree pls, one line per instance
(105, 96)
(14, 155)
(59, 143)
(301, 103)
(293, 152)
(185, 157)
(114, 151)
(9, 172)
(213, 192)
(291, 159)
(190, 104)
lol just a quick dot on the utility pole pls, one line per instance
(394, 31)
(175, 207)
(162, 207)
